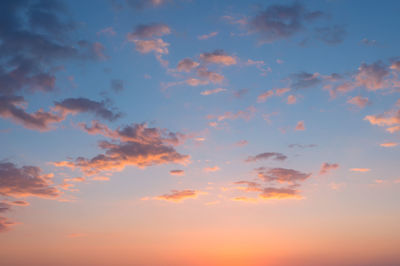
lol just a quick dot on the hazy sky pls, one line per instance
(193, 132)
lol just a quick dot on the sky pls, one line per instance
(188, 132)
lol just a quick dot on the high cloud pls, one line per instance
(267, 155)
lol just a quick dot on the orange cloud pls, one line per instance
(291, 99)
(180, 195)
(177, 172)
(214, 91)
(280, 193)
(360, 170)
(389, 144)
(211, 169)
(359, 101)
(218, 57)
(264, 96)
(300, 126)
(5, 224)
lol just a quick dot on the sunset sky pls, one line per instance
(193, 132)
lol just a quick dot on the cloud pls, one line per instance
(142, 4)
(302, 146)
(389, 144)
(5, 224)
(250, 186)
(267, 155)
(332, 34)
(359, 101)
(218, 57)
(243, 114)
(135, 144)
(264, 96)
(209, 75)
(326, 167)
(211, 169)
(214, 91)
(300, 126)
(305, 80)
(180, 195)
(372, 76)
(177, 172)
(291, 99)
(149, 31)
(241, 143)
(146, 46)
(27, 181)
(281, 175)
(280, 193)
(84, 105)
(208, 36)
(187, 64)
(11, 108)
(363, 170)
(390, 119)
(117, 85)
(109, 31)
(281, 21)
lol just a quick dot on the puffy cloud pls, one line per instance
(177, 172)
(281, 21)
(149, 31)
(326, 167)
(209, 75)
(180, 195)
(372, 76)
(281, 175)
(389, 144)
(211, 169)
(267, 155)
(363, 170)
(264, 96)
(300, 126)
(331, 35)
(390, 119)
(134, 144)
(208, 36)
(84, 105)
(25, 182)
(218, 57)
(187, 64)
(146, 46)
(214, 91)
(359, 101)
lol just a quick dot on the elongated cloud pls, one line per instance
(177, 172)
(390, 120)
(327, 167)
(84, 105)
(143, 4)
(389, 144)
(280, 193)
(149, 31)
(214, 91)
(211, 169)
(180, 195)
(281, 175)
(305, 80)
(264, 96)
(359, 101)
(26, 181)
(362, 170)
(267, 155)
(5, 224)
(146, 46)
(218, 57)
(208, 36)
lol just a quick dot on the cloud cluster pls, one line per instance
(135, 144)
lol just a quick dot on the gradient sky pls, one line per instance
(188, 132)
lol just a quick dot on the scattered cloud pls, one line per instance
(187, 64)
(213, 91)
(218, 57)
(267, 155)
(180, 195)
(327, 167)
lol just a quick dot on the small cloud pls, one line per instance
(76, 235)
(207, 36)
(211, 169)
(300, 126)
(218, 57)
(291, 99)
(109, 31)
(264, 96)
(359, 101)
(389, 144)
(267, 155)
(177, 172)
(180, 195)
(214, 91)
(242, 143)
(363, 170)
(326, 167)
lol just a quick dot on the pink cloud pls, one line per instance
(300, 126)
(327, 167)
